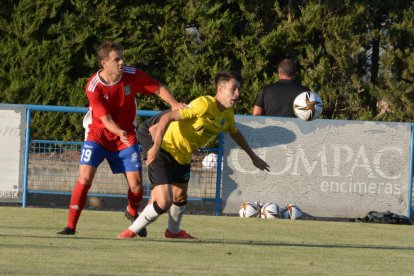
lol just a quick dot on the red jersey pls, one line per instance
(119, 101)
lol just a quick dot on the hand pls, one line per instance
(123, 135)
(151, 155)
(260, 163)
(178, 106)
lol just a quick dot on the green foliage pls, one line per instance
(358, 55)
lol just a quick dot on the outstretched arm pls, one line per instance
(165, 94)
(257, 161)
(157, 132)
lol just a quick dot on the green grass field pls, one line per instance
(29, 245)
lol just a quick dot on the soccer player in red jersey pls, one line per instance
(110, 129)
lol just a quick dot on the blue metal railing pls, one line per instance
(217, 198)
(143, 113)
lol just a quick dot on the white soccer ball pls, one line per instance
(307, 106)
(269, 211)
(210, 161)
(249, 210)
(294, 211)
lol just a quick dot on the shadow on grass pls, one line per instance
(225, 242)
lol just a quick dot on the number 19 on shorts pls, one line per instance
(86, 155)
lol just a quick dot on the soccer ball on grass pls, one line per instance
(249, 209)
(270, 211)
(293, 211)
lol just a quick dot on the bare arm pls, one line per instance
(165, 94)
(257, 110)
(257, 161)
(113, 127)
(157, 132)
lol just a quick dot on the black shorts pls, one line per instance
(165, 169)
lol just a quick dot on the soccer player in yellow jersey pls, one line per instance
(168, 141)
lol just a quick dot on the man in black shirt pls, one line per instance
(277, 99)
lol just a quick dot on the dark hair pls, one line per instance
(287, 67)
(107, 47)
(228, 75)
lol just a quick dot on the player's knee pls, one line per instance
(138, 188)
(161, 207)
(180, 203)
(85, 180)
(180, 197)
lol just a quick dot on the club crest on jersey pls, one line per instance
(127, 90)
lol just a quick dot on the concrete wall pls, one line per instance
(330, 168)
(12, 142)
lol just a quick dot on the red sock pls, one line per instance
(134, 201)
(77, 203)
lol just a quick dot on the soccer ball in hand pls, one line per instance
(269, 211)
(249, 210)
(307, 106)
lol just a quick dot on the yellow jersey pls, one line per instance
(201, 121)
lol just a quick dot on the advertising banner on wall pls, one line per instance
(12, 144)
(329, 168)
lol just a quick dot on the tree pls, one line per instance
(358, 55)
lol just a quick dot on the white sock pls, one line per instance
(175, 215)
(147, 216)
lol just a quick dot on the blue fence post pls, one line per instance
(26, 157)
(218, 179)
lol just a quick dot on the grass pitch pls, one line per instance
(29, 245)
